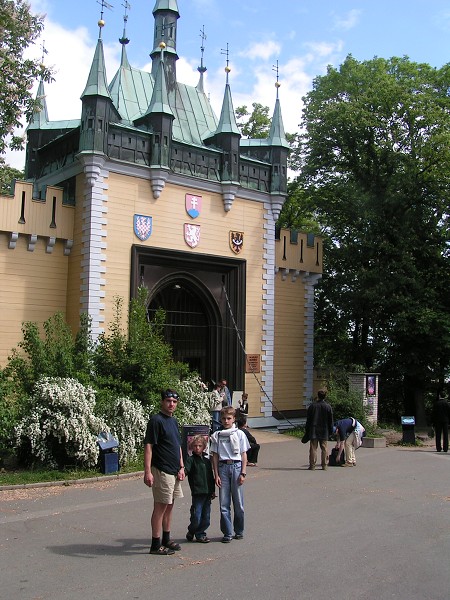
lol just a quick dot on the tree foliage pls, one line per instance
(19, 29)
(7, 176)
(375, 159)
(254, 124)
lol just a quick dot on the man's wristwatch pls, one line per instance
(243, 474)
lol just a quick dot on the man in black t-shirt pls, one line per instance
(163, 471)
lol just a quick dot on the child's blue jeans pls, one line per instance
(200, 515)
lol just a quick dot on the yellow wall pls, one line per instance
(33, 279)
(128, 196)
(33, 287)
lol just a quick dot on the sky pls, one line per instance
(302, 36)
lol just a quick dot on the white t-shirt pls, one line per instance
(221, 444)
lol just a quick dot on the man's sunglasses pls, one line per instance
(173, 395)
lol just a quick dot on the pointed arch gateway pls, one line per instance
(198, 325)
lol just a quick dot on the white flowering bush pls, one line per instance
(62, 427)
(195, 401)
(127, 421)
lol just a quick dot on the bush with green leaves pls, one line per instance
(194, 402)
(62, 428)
(127, 422)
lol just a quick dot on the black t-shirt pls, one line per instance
(162, 433)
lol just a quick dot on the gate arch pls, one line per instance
(193, 322)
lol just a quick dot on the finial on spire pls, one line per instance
(227, 53)
(101, 22)
(124, 40)
(277, 71)
(202, 68)
(44, 51)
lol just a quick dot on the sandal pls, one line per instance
(171, 545)
(162, 551)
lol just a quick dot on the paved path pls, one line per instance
(380, 530)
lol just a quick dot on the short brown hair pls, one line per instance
(228, 410)
(198, 438)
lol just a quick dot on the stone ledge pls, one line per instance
(374, 442)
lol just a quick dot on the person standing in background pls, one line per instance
(319, 427)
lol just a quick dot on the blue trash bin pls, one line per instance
(409, 436)
(109, 456)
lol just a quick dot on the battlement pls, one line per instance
(298, 252)
(21, 214)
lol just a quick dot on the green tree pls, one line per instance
(7, 175)
(19, 29)
(375, 159)
(256, 124)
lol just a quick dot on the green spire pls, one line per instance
(160, 100)
(227, 121)
(96, 84)
(277, 136)
(166, 5)
(40, 115)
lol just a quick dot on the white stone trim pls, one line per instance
(268, 297)
(94, 221)
(309, 280)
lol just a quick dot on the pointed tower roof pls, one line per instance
(160, 100)
(227, 120)
(166, 5)
(277, 136)
(96, 84)
(40, 115)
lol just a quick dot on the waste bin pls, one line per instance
(109, 456)
(189, 432)
(409, 436)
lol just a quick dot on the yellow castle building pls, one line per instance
(149, 188)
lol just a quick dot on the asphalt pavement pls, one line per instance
(378, 530)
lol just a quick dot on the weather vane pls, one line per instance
(277, 71)
(44, 50)
(101, 22)
(201, 68)
(124, 40)
(227, 53)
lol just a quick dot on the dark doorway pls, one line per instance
(203, 297)
(189, 325)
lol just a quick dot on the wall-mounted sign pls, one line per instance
(253, 363)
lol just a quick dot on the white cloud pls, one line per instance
(262, 50)
(350, 20)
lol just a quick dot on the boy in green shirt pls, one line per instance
(201, 481)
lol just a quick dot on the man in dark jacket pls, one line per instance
(441, 418)
(319, 427)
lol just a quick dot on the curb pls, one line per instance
(67, 482)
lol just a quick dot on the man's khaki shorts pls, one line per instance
(165, 487)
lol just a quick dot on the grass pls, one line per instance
(27, 476)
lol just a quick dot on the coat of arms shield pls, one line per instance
(193, 205)
(236, 241)
(142, 227)
(192, 234)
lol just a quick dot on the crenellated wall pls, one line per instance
(36, 237)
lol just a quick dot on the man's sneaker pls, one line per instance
(238, 536)
(226, 539)
(203, 540)
(190, 536)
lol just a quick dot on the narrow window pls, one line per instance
(53, 223)
(22, 210)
